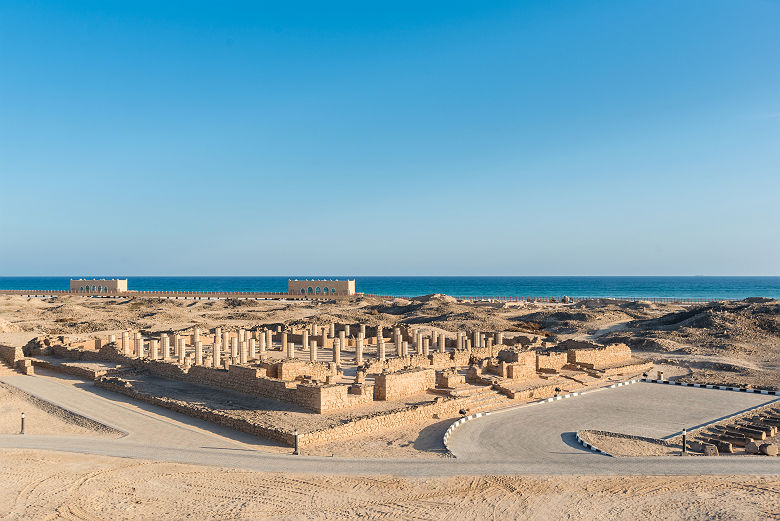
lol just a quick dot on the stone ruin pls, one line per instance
(332, 367)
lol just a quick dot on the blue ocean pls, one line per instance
(626, 287)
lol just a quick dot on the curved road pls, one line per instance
(524, 440)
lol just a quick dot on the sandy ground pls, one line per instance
(40, 419)
(40, 485)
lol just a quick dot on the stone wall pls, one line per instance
(611, 355)
(391, 386)
(551, 362)
(11, 354)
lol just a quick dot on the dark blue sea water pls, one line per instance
(629, 287)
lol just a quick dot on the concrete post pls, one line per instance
(442, 340)
(252, 349)
(290, 349)
(359, 349)
(198, 353)
(216, 355)
(313, 351)
(154, 347)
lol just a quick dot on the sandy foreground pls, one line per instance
(42, 485)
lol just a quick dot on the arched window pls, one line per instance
(317, 290)
(325, 290)
(105, 289)
(93, 289)
(81, 289)
(303, 291)
(309, 290)
(100, 289)
(333, 290)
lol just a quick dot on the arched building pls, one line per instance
(98, 285)
(320, 287)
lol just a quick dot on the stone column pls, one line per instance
(196, 337)
(475, 342)
(459, 341)
(284, 342)
(182, 350)
(305, 340)
(313, 351)
(379, 338)
(242, 335)
(111, 339)
(482, 340)
(338, 343)
(226, 340)
(499, 338)
(140, 348)
(359, 349)
(380, 348)
(269, 339)
(154, 347)
(332, 330)
(342, 339)
(243, 351)
(126, 343)
(234, 347)
(442, 340)
(217, 334)
(166, 347)
(346, 329)
(404, 348)
(198, 353)
(363, 330)
(252, 349)
(262, 345)
(290, 349)
(468, 345)
(216, 355)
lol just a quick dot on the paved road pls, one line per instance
(158, 434)
(546, 432)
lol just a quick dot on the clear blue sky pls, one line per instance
(453, 138)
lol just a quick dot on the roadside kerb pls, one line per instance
(709, 386)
